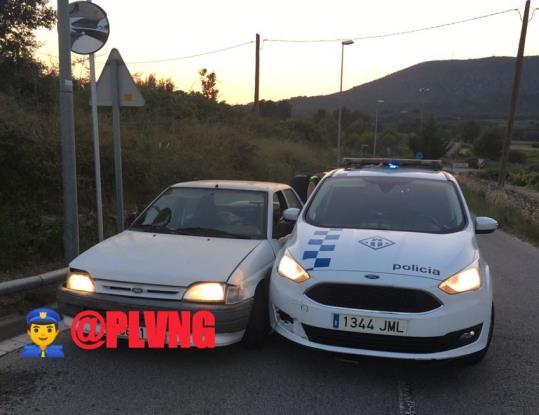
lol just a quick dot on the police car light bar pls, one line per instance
(350, 162)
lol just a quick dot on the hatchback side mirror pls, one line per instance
(291, 214)
(129, 219)
(485, 225)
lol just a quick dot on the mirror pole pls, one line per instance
(67, 126)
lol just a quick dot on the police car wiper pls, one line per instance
(210, 232)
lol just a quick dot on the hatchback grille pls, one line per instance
(373, 297)
(396, 344)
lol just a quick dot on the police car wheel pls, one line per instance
(258, 325)
(475, 358)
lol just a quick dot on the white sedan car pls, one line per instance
(384, 262)
(202, 245)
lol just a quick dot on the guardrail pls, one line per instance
(35, 281)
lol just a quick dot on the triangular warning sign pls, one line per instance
(129, 94)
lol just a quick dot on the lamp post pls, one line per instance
(339, 128)
(378, 102)
(422, 91)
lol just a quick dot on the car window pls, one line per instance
(388, 203)
(291, 198)
(279, 205)
(207, 212)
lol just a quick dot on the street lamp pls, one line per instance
(422, 91)
(339, 129)
(380, 101)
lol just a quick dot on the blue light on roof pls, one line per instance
(393, 165)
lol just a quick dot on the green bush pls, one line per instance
(521, 177)
(175, 137)
(489, 174)
(432, 142)
(516, 156)
(509, 218)
(489, 144)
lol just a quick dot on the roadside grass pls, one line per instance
(509, 218)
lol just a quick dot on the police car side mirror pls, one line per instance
(291, 214)
(485, 225)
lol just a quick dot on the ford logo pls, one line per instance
(372, 276)
(137, 290)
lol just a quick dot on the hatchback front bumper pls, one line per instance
(230, 319)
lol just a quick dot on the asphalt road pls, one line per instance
(285, 378)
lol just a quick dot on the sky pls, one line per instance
(163, 29)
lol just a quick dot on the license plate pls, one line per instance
(141, 334)
(373, 325)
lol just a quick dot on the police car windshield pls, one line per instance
(211, 212)
(387, 203)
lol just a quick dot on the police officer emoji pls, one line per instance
(42, 326)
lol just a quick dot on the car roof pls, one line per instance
(408, 172)
(235, 184)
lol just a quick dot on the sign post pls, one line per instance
(97, 153)
(117, 145)
(116, 88)
(89, 33)
(67, 124)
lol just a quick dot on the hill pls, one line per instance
(476, 88)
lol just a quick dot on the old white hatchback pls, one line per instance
(199, 245)
(384, 262)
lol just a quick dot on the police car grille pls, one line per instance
(396, 344)
(372, 297)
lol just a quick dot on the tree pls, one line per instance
(489, 144)
(18, 21)
(470, 131)
(278, 110)
(208, 82)
(431, 142)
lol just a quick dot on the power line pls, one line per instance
(368, 37)
(211, 52)
(384, 35)
(177, 58)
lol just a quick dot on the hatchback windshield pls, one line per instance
(207, 212)
(387, 203)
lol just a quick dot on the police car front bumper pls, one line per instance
(230, 319)
(441, 333)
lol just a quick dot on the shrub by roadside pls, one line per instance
(515, 209)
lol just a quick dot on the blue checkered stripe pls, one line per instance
(321, 248)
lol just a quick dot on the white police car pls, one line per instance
(202, 245)
(384, 261)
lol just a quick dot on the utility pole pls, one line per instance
(339, 120)
(514, 96)
(256, 106)
(67, 125)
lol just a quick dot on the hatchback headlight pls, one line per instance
(206, 292)
(468, 279)
(80, 281)
(289, 268)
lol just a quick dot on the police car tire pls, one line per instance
(258, 325)
(476, 357)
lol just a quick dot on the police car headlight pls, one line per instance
(468, 279)
(289, 268)
(80, 281)
(206, 292)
